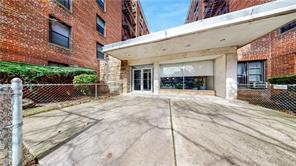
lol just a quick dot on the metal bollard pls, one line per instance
(96, 90)
(17, 122)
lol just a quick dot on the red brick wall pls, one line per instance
(283, 53)
(24, 31)
(278, 50)
(235, 5)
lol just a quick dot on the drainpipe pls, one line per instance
(269, 56)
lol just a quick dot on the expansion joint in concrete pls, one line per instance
(172, 130)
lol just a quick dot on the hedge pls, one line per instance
(290, 79)
(85, 79)
(39, 74)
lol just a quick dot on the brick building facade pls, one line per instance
(272, 55)
(61, 32)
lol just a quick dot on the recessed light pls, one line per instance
(164, 49)
(222, 39)
(188, 45)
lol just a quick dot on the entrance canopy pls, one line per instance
(234, 29)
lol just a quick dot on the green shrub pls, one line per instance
(290, 79)
(39, 74)
(85, 79)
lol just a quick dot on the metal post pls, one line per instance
(96, 90)
(6, 123)
(17, 121)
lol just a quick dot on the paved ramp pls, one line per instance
(123, 131)
(162, 130)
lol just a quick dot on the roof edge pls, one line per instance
(271, 9)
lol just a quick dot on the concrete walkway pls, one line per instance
(162, 130)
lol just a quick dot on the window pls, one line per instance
(251, 72)
(191, 75)
(241, 73)
(65, 3)
(50, 63)
(196, 9)
(224, 9)
(101, 3)
(255, 72)
(101, 26)
(287, 27)
(100, 54)
(59, 33)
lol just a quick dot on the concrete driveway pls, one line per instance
(162, 130)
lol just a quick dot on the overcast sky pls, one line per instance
(164, 14)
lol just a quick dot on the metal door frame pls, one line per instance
(142, 80)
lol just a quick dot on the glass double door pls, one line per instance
(142, 80)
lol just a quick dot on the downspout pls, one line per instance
(269, 56)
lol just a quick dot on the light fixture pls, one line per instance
(221, 40)
(188, 45)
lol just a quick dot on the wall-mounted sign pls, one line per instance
(280, 86)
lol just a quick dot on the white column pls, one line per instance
(156, 78)
(219, 76)
(231, 76)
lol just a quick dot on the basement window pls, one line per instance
(50, 63)
(287, 27)
(100, 26)
(59, 33)
(101, 4)
(100, 54)
(65, 3)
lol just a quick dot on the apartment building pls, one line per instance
(272, 55)
(133, 21)
(63, 32)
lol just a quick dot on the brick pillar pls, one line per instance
(125, 76)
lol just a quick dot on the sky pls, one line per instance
(164, 14)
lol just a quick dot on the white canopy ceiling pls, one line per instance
(233, 29)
